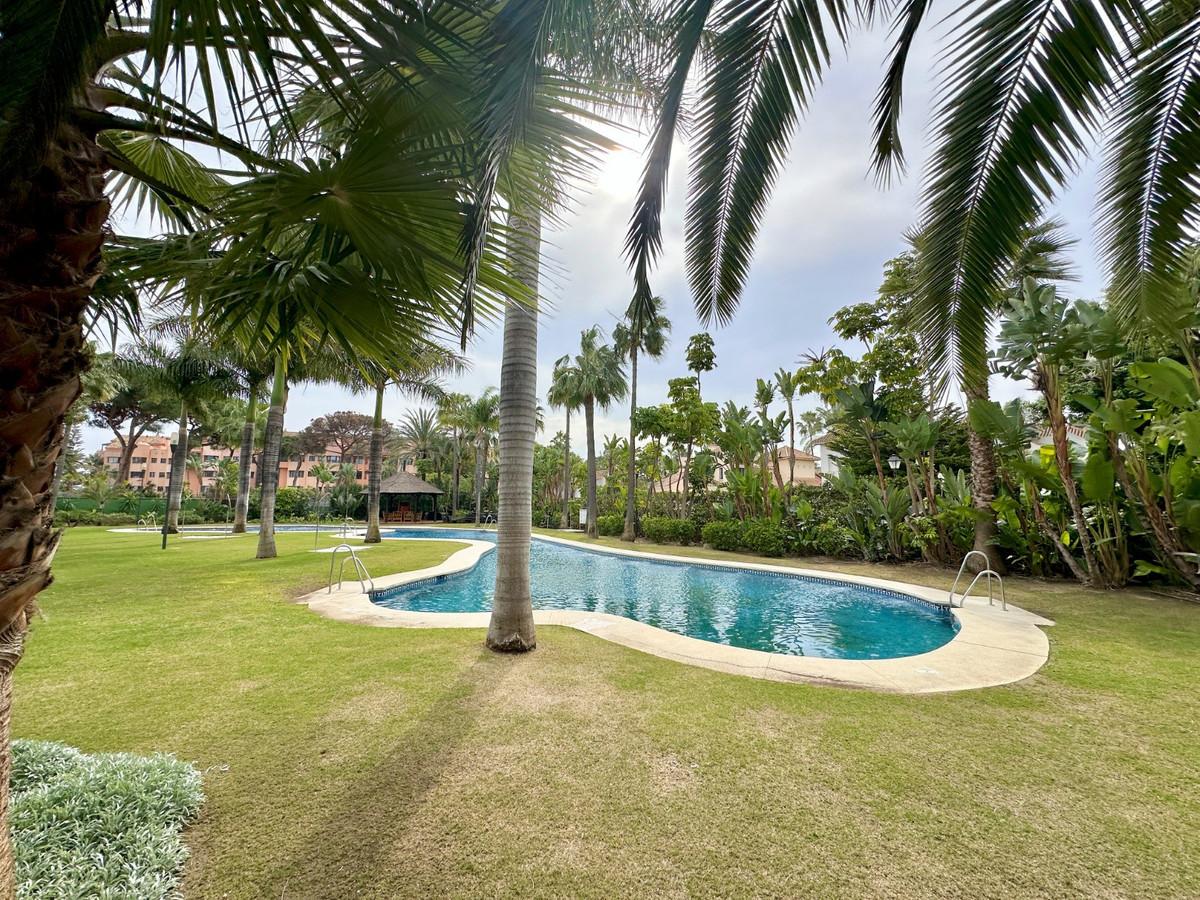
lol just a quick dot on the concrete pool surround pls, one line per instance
(990, 647)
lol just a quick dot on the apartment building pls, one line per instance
(150, 466)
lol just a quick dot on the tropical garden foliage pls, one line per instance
(385, 170)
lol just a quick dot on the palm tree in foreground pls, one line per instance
(644, 331)
(104, 99)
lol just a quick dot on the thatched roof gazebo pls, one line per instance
(404, 497)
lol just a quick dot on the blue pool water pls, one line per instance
(777, 613)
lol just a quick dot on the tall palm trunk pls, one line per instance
(589, 414)
(178, 472)
(245, 457)
(269, 470)
(629, 532)
(480, 450)
(457, 472)
(127, 445)
(565, 522)
(511, 627)
(877, 459)
(983, 483)
(1048, 381)
(51, 229)
(686, 481)
(375, 472)
(791, 446)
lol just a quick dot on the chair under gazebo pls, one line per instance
(404, 497)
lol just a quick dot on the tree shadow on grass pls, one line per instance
(347, 850)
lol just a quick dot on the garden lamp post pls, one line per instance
(894, 462)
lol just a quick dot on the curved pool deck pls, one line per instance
(991, 646)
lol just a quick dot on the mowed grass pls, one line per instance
(348, 761)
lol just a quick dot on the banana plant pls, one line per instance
(1025, 479)
(1039, 335)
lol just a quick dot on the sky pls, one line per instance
(823, 243)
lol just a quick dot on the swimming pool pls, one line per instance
(779, 613)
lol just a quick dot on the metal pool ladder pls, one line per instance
(360, 570)
(987, 571)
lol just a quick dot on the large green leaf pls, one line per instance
(1097, 479)
(1167, 381)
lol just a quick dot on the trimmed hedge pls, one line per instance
(665, 530)
(610, 526)
(723, 535)
(68, 517)
(765, 536)
(105, 825)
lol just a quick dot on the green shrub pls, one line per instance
(293, 502)
(828, 539)
(764, 536)
(610, 526)
(723, 535)
(105, 825)
(665, 530)
(69, 517)
(112, 520)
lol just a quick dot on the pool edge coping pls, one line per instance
(990, 648)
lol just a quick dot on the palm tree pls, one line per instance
(511, 626)
(322, 475)
(613, 447)
(451, 414)
(252, 369)
(764, 396)
(1023, 98)
(482, 417)
(1040, 254)
(644, 331)
(416, 377)
(1039, 335)
(600, 381)
(788, 384)
(309, 229)
(605, 58)
(418, 434)
(192, 375)
(564, 394)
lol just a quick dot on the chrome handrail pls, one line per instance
(987, 571)
(360, 570)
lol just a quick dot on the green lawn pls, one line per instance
(347, 761)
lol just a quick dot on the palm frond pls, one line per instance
(766, 59)
(155, 176)
(1025, 85)
(1151, 201)
(643, 241)
(888, 152)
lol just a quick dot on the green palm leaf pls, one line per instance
(767, 57)
(1024, 87)
(1151, 202)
